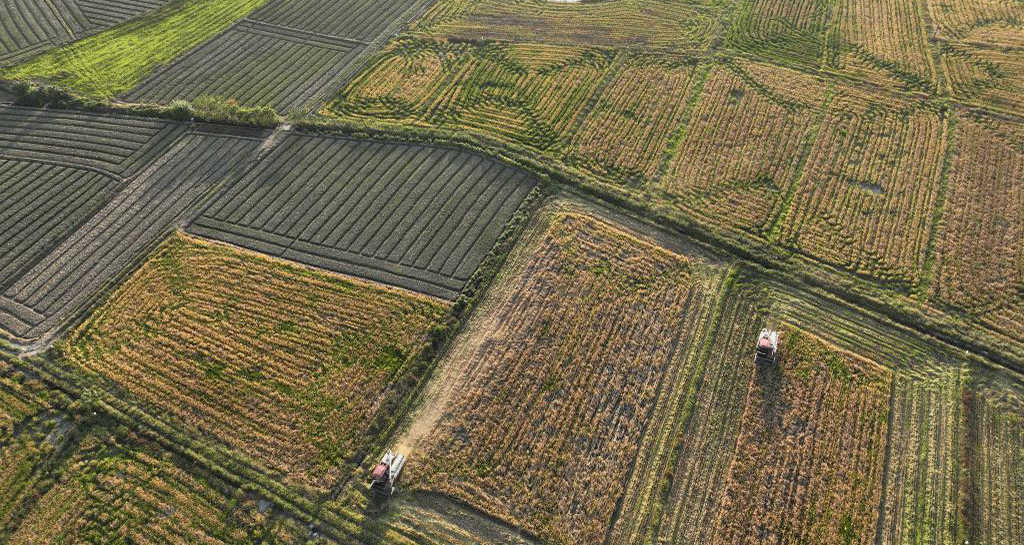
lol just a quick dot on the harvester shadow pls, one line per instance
(768, 380)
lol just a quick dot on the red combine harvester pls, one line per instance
(385, 474)
(767, 347)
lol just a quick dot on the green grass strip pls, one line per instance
(118, 59)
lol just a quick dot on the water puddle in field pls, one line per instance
(869, 186)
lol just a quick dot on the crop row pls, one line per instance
(979, 251)
(118, 59)
(254, 64)
(679, 478)
(739, 153)
(867, 195)
(119, 146)
(811, 454)
(122, 489)
(560, 381)
(66, 278)
(665, 24)
(417, 217)
(286, 365)
(362, 20)
(40, 205)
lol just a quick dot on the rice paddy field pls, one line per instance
(247, 247)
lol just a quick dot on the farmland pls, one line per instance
(55, 284)
(255, 64)
(248, 246)
(741, 150)
(544, 411)
(666, 24)
(116, 60)
(122, 487)
(28, 28)
(979, 251)
(115, 146)
(269, 359)
(813, 442)
(870, 211)
(335, 203)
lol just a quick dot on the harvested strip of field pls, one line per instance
(994, 454)
(417, 217)
(626, 133)
(294, 368)
(253, 64)
(531, 94)
(740, 151)
(681, 472)
(922, 494)
(979, 251)
(116, 60)
(866, 199)
(67, 278)
(123, 489)
(117, 146)
(810, 458)
(560, 374)
(362, 20)
(664, 23)
(40, 205)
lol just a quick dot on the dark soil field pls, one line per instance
(254, 64)
(416, 217)
(117, 234)
(28, 27)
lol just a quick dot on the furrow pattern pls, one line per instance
(417, 217)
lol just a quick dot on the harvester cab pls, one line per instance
(385, 474)
(767, 347)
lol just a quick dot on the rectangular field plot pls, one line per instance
(741, 148)
(887, 35)
(290, 366)
(781, 29)
(979, 254)
(866, 199)
(361, 20)
(549, 394)
(253, 64)
(644, 23)
(40, 205)
(116, 146)
(64, 280)
(529, 94)
(627, 132)
(811, 453)
(416, 217)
